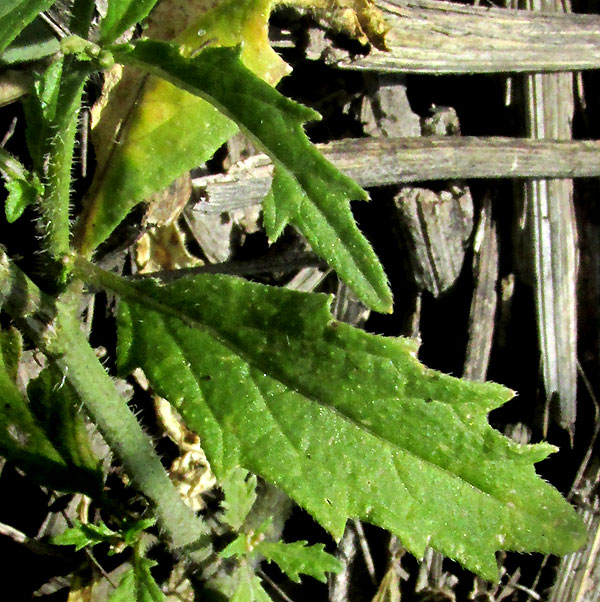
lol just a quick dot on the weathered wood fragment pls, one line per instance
(436, 228)
(482, 316)
(376, 162)
(431, 36)
(553, 231)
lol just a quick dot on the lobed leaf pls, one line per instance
(240, 494)
(299, 558)
(23, 187)
(20, 194)
(82, 535)
(307, 190)
(347, 423)
(138, 584)
(249, 588)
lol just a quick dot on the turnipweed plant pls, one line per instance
(346, 423)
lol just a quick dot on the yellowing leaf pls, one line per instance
(360, 19)
(150, 132)
(307, 190)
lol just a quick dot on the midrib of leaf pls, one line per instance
(136, 294)
(275, 123)
(330, 437)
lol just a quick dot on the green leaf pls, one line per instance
(11, 348)
(307, 190)
(131, 533)
(20, 194)
(23, 187)
(24, 440)
(121, 15)
(249, 588)
(21, 439)
(57, 407)
(36, 41)
(298, 557)
(138, 584)
(40, 111)
(240, 494)
(347, 423)
(89, 534)
(15, 15)
(84, 535)
(239, 547)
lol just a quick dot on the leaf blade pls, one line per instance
(346, 423)
(307, 190)
(240, 494)
(25, 440)
(299, 558)
(121, 15)
(146, 114)
(15, 15)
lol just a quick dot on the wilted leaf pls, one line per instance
(307, 190)
(347, 423)
(360, 19)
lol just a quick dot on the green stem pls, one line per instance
(55, 202)
(97, 277)
(55, 329)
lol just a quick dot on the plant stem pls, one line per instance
(55, 203)
(55, 329)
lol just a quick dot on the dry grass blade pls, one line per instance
(554, 241)
(429, 36)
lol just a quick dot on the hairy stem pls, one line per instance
(56, 331)
(55, 202)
